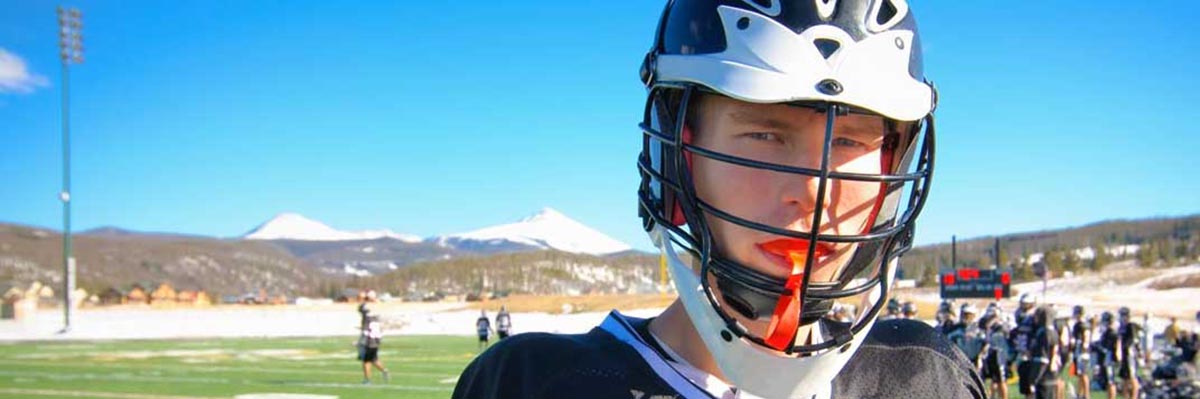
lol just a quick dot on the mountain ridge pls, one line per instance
(294, 226)
(118, 257)
(546, 229)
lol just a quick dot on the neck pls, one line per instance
(675, 329)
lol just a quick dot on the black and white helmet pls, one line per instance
(842, 57)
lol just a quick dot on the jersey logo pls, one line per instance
(772, 10)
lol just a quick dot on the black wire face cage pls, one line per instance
(667, 187)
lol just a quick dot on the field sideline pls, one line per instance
(421, 367)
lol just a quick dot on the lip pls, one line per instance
(780, 251)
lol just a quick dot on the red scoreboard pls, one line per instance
(975, 283)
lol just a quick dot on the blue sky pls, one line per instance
(209, 117)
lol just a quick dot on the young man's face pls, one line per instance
(786, 135)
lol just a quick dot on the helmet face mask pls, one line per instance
(862, 252)
(836, 66)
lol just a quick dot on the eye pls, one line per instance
(846, 142)
(763, 136)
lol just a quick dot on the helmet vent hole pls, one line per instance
(725, 335)
(829, 87)
(743, 23)
(887, 11)
(826, 46)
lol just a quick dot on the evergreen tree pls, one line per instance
(1053, 259)
(1023, 272)
(1070, 261)
(1100, 258)
(1162, 250)
(929, 276)
(1146, 255)
(1193, 250)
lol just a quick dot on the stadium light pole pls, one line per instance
(70, 46)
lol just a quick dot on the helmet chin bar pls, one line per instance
(816, 304)
(754, 294)
(754, 304)
(746, 291)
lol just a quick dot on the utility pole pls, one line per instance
(954, 252)
(70, 45)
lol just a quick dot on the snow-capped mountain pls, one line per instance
(291, 226)
(548, 229)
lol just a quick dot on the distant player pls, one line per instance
(995, 353)
(1171, 333)
(1130, 333)
(483, 327)
(1079, 344)
(946, 321)
(365, 311)
(1109, 350)
(909, 311)
(1188, 344)
(969, 336)
(371, 338)
(892, 310)
(503, 323)
(1043, 349)
(1020, 337)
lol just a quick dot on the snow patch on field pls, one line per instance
(1121, 285)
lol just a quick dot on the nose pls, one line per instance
(799, 195)
(800, 192)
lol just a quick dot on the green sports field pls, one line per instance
(421, 367)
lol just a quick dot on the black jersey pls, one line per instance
(482, 325)
(1109, 340)
(1079, 334)
(618, 359)
(1043, 344)
(1022, 333)
(1130, 336)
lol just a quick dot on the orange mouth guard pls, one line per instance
(786, 318)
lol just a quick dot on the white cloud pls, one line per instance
(15, 76)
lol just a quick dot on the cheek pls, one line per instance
(736, 190)
(853, 200)
(852, 204)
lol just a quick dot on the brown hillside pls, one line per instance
(220, 267)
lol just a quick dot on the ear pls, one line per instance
(677, 212)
